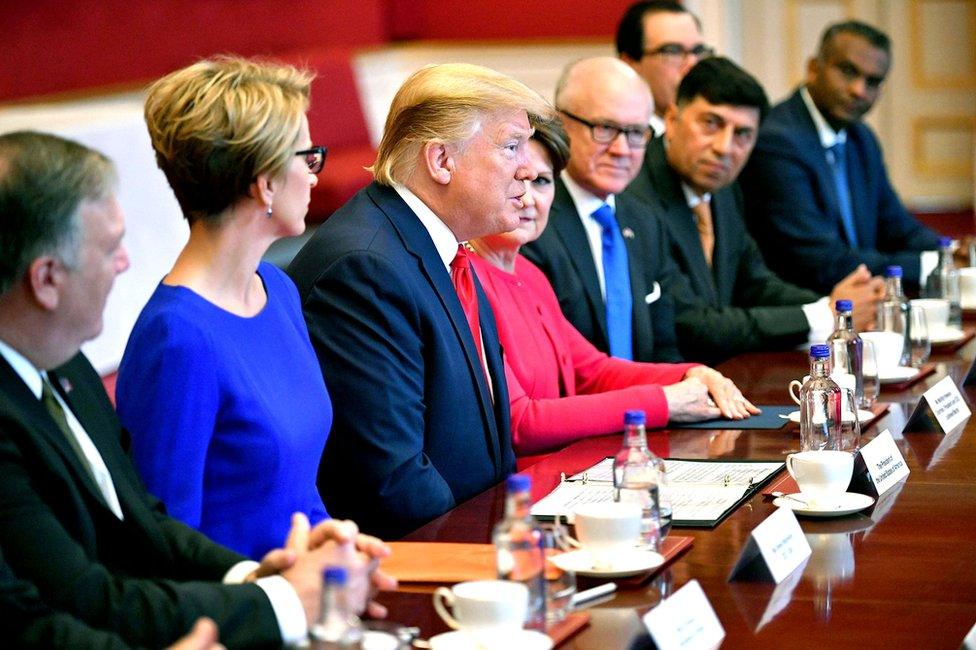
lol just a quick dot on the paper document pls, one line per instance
(702, 492)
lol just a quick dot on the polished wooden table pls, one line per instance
(900, 575)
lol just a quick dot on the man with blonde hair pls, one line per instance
(405, 336)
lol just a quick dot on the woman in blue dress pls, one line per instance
(219, 385)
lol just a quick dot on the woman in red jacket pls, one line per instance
(561, 388)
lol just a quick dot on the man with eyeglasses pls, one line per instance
(606, 254)
(818, 197)
(735, 303)
(661, 40)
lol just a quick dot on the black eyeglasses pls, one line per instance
(314, 158)
(677, 53)
(607, 132)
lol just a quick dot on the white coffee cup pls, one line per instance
(821, 473)
(483, 607)
(936, 312)
(888, 347)
(606, 530)
(797, 384)
(967, 287)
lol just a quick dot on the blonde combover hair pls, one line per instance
(446, 103)
(219, 123)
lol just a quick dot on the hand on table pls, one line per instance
(725, 395)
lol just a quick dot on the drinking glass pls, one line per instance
(869, 372)
(918, 334)
(560, 584)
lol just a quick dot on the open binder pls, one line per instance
(703, 492)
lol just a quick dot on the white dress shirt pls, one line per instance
(586, 204)
(285, 602)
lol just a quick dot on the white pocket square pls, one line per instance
(653, 295)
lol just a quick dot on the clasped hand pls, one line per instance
(307, 551)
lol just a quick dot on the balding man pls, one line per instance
(661, 40)
(606, 255)
(404, 333)
(817, 193)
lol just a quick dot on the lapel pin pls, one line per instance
(66, 385)
(627, 233)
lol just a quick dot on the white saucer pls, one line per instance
(461, 640)
(946, 335)
(376, 640)
(626, 564)
(897, 375)
(863, 415)
(845, 503)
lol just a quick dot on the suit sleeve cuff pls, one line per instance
(821, 320)
(237, 573)
(288, 609)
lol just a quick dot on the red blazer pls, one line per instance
(561, 388)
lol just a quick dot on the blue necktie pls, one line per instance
(616, 280)
(838, 165)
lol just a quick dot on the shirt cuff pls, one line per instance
(820, 317)
(927, 261)
(237, 573)
(288, 609)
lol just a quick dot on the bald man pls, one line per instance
(606, 255)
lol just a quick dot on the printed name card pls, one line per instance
(944, 403)
(881, 463)
(685, 621)
(775, 548)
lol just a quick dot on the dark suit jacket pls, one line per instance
(736, 306)
(147, 578)
(415, 431)
(562, 252)
(26, 622)
(792, 209)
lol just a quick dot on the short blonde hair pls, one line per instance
(219, 123)
(446, 103)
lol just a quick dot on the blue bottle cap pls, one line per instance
(893, 271)
(634, 417)
(945, 242)
(844, 305)
(519, 483)
(335, 575)
(819, 351)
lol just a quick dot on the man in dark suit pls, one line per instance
(605, 254)
(818, 199)
(75, 521)
(735, 304)
(404, 333)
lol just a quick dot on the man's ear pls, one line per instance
(813, 69)
(438, 162)
(45, 280)
(670, 117)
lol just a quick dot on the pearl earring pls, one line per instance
(268, 214)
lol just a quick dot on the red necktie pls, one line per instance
(464, 285)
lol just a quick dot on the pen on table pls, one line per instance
(583, 597)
